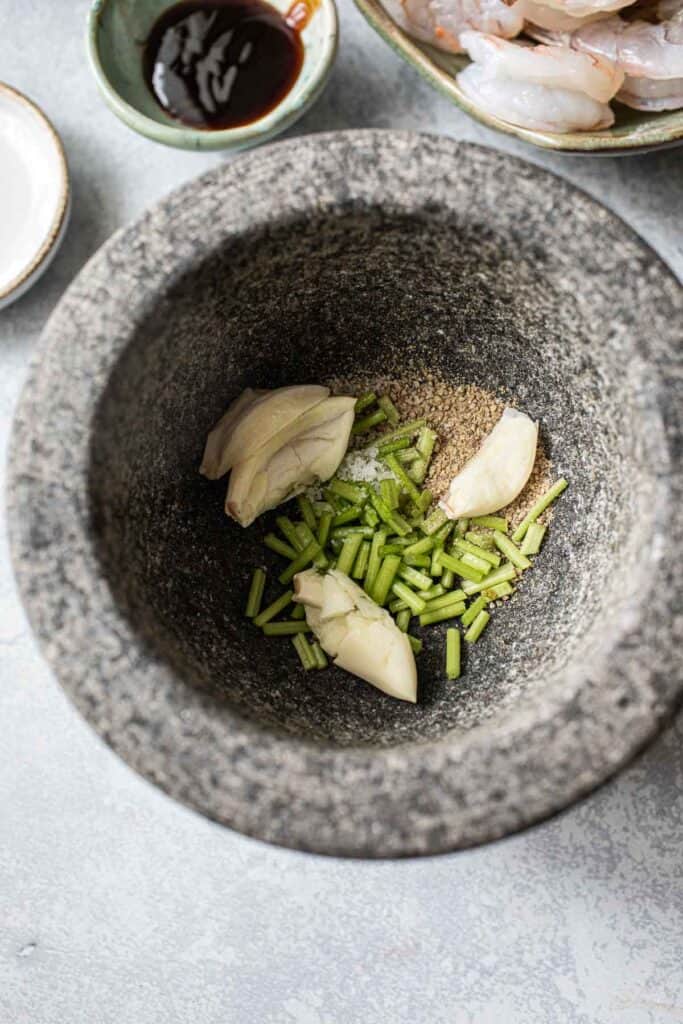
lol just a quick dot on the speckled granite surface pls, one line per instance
(118, 905)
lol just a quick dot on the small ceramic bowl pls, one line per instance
(395, 255)
(117, 30)
(35, 195)
(634, 131)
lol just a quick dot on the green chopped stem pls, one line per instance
(481, 553)
(417, 471)
(417, 561)
(502, 575)
(364, 401)
(434, 522)
(452, 653)
(319, 655)
(541, 505)
(492, 522)
(459, 568)
(389, 409)
(348, 553)
(375, 559)
(436, 568)
(299, 612)
(349, 492)
(385, 578)
(361, 564)
(342, 532)
(477, 627)
(388, 489)
(307, 512)
(258, 583)
(408, 429)
(392, 519)
(451, 597)
(361, 426)
(442, 534)
(273, 609)
(416, 579)
(403, 619)
(397, 605)
(304, 650)
(477, 563)
(425, 500)
(415, 603)
(393, 446)
(392, 549)
(415, 643)
(347, 516)
(500, 590)
(399, 472)
(511, 551)
(407, 456)
(480, 540)
(477, 606)
(370, 517)
(301, 561)
(447, 578)
(279, 547)
(324, 527)
(425, 443)
(306, 536)
(288, 530)
(533, 539)
(436, 591)
(337, 503)
(286, 628)
(461, 527)
(449, 611)
(420, 547)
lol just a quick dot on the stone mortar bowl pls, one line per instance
(373, 252)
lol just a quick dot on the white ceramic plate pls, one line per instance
(34, 193)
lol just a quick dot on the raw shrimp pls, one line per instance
(652, 94)
(640, 49)
(440, 22)
(550, 66)
(539, 15)
(539, 87)
(584, 8)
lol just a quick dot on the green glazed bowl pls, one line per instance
(634, 131)
(117, 30)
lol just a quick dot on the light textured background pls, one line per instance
(118, 906)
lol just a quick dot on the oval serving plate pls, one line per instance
(634, 131)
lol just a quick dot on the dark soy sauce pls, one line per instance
(223, 63)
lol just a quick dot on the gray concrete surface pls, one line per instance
(118, 906)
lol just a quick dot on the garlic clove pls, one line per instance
(498, 472)
(213, 463)
(373, 651)
(264, 419)
(364, 639)
(309, 449)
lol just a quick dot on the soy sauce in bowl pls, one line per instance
(215, 64)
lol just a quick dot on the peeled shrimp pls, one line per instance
(539, 87)
(584, 8)
(640, 49)
(441, 22)
(541, 16)
(652, 94)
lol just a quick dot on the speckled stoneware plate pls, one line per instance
(393, 250)
(634, 131)
(116, 34)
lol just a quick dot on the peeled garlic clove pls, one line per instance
(364, 639)
(309, 449)
(498, 472)
(382, 656)
(213, 463)
(274, 412)
(336, 600)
